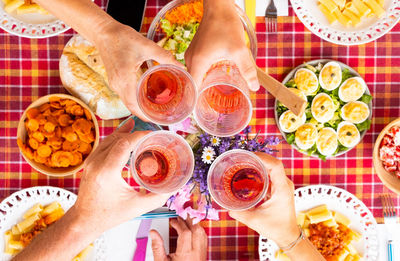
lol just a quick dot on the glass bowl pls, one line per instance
(155, 32)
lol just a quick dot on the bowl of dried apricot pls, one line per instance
(56, 133)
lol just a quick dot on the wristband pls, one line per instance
(294, 243)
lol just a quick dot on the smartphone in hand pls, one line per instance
(129, 12)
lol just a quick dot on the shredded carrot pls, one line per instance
(186, 13)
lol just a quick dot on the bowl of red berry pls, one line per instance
(386, 156)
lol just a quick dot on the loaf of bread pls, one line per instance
(83, 74)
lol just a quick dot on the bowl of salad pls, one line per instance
(338, 112)
(175, 25)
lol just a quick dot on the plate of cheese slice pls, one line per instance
(348, 22)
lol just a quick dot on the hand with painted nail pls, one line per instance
(191, 245)
(220, 37)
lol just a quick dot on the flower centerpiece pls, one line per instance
(206, 148)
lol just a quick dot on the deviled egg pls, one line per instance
(327, 141)
(306, 81)
(306, 136)
(348, 134)
(322, 108)
(352, 89)
(330, 76)
(289, 122)
(298, 93)
(355, 112)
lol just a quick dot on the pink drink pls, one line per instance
(166, 94)
(162, 162)
(237, 180)
(223, 107)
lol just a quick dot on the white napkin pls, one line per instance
(121, 240)
(382, 235)
(282, 6)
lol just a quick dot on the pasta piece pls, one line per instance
(51, 208)
(27, 224)
(341, 18)
(352, 250)
(355, 20)
(84, 253)
(356, 236)
(33, 210)
(329, 4)
(340, 3)
(362, 8)
(54, 216)
(319, 214)
(15, 231)
(280, 255)
(342, 219)
(7, 238)
(343, 255)
(381, 2)
(28, 8)
(375, 7)
(352, 8)
(331, 17)
(17, 245)
(330, 223)
(301, 217)
(12, 5)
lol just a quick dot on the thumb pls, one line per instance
(198, 69)
(247, 68)
(241, 216)
(157, 245)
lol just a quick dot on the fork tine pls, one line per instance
(391, 206)
(384, 204)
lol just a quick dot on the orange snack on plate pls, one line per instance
(60, 133)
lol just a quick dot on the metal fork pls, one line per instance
(271, 17)
(390, 218)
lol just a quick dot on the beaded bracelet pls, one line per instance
(294, 243)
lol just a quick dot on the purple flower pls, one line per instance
(247, 130)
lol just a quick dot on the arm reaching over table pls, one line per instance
(276, 218)
(122, 49)
(104, 201)
(220, 36)
(191, 245)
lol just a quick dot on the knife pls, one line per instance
(142, 237)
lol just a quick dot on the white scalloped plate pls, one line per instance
(32, 25)
(368, 30)
(13, 208)
(336, 199)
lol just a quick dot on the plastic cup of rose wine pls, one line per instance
(162, 162)
(223, 107)
(166, 94)
(237, 180)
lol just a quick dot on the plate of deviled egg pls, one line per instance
(338, 113)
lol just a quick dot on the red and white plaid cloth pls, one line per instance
(29, 69)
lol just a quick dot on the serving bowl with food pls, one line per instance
(338, 113)
(335, 221)
(348, 22)
(56, 133)
(26, 213)
(175, 25)
(27, 19)
(386, 156)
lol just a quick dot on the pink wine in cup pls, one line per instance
(237, 180)
(223, 107)
(166, 94)
(162, 162)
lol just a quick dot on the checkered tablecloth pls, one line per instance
(29, 69)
